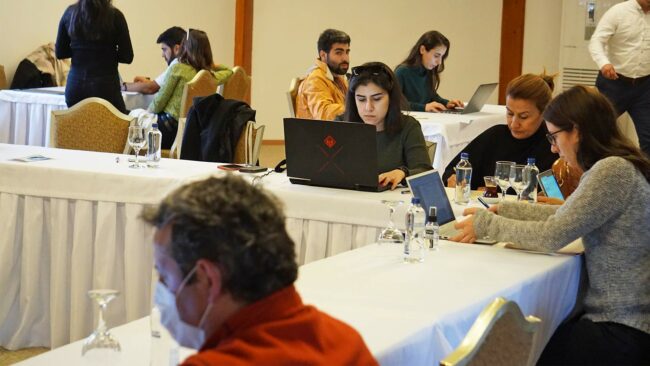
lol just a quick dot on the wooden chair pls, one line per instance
(247, 150)
(201, 85)
(93, 125)
(175, 151)
(3, 78)
(238, 86)
(567, 178)
(292, 94)
(499, 336)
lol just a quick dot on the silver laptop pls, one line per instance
(477, 101)
(429, 189)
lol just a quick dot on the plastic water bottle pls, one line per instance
(432, 229)
(154, 139)
(463, 179)
(414, 243)
(530, 174)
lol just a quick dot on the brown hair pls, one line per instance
(196, 50)
(536, 88)
(594, 117)
(429, 40)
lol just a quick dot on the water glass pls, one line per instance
(502, 174)
(391, 234)
(517, 179)
(137, 139)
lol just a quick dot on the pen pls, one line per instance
(406, 191)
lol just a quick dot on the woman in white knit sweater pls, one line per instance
(610, 210)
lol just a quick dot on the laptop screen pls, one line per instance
(429, 189)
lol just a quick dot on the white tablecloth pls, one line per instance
(452, 132)
(408, 314)
(71, 224)
(25, 114)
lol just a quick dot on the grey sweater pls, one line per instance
(610, 210)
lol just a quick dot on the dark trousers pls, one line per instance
(633, 98)
(168, 126)
(583, 342)
(80, 86)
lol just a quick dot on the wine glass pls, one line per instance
(391, 234)
(517, 179)
(101, 337)
(502, 174)
(136, 141)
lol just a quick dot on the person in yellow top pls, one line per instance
(322, 94)
(196, 55)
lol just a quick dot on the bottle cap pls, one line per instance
(464, 155)
(433, 213)
(531, 160)
(415, 200)
(154, 125)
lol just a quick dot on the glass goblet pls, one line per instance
(391, 234)
(101, 338)
(137, 140)
(517, 179)
(502, 174)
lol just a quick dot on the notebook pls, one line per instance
(477, 101)
(332, 154)
(429, 189)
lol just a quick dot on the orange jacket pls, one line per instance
(321, 95)
(281, 330)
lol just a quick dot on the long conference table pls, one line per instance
(408, 314)
(71, 224)
(25, 114)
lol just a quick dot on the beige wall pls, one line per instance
(31, 23)
(542, 36)
(284, 43)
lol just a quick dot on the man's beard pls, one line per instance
(339, 70)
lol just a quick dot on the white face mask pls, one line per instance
(185, 334)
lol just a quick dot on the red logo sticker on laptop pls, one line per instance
(329, 141)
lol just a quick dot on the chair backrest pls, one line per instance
(499, 336)
(201, 85)
(292, 94)
(3, 78)
(238, 86)
(247, 150)
(175, 150)
(93, 125)
(567, 178)
(431, 149)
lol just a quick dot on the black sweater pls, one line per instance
(496, 144)
(95, 58)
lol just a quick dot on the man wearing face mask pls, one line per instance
(227, 268)
(322, 94)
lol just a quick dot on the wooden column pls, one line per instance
(244, 37)
(512, 43)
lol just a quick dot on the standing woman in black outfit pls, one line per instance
(95, 34)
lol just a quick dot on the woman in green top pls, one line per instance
(419, 74)
(196, 55)
(374, 98)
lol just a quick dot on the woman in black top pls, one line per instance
(523, 137)
(374, 98)
(95, 34)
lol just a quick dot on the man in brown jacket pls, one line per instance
(322, 94)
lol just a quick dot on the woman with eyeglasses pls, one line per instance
(95, 35)
(522, 137)
(195, 55)
(610, 210)
(419, 74)
(374, 98)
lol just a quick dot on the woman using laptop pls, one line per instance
(374, 98)
(523, 137)
(419, 74)
(610, 210)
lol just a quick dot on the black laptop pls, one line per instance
(332, 154)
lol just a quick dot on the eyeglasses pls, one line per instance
(551, 136)
(371, 69)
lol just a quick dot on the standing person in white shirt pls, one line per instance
(170, 44)
(620, 46)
